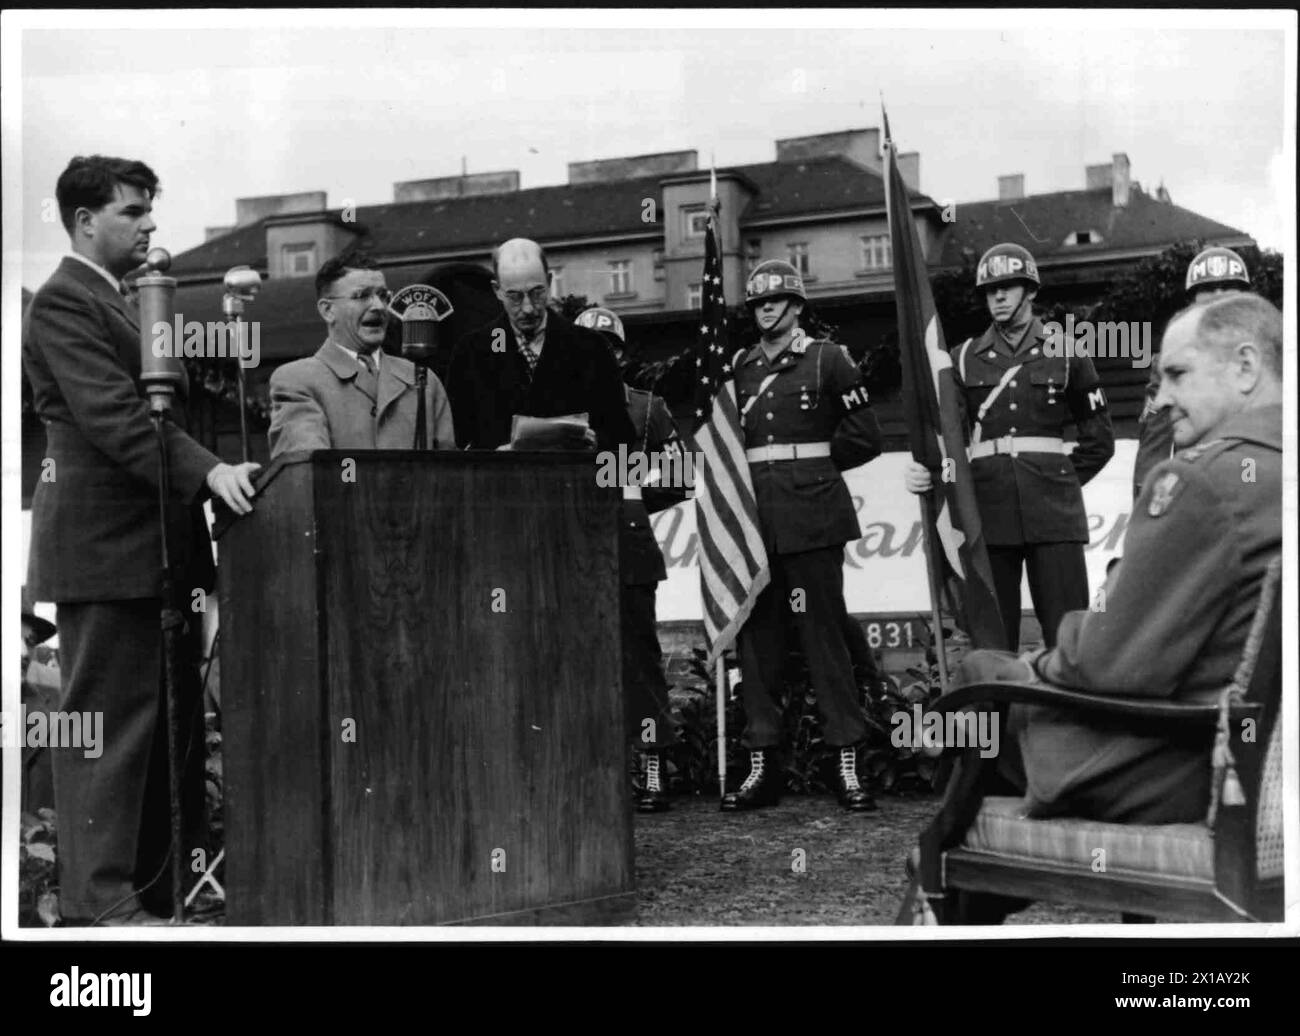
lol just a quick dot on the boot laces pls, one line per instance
(756, 762)
(849, 769)
(652, 772)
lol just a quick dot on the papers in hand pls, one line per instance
(549, 433)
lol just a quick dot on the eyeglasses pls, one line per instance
(365, 295)
(537, 296)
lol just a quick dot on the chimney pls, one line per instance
(463, 186)
(250, 210)
(606, 170)
(858, 145)
(1119, 184)
(909, 165)
(1163, 195)
(1096, 177)
(1012, 187)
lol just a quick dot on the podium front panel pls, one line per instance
(466, 733)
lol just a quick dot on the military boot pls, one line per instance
(761, 788)
(654, 797)
(848, 789)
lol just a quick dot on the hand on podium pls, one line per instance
(232, 484)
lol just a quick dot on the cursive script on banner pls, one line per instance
(675, 532)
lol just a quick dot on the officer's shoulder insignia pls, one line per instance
(1163, 491)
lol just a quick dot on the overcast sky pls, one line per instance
(227, 105)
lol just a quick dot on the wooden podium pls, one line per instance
(421, 684)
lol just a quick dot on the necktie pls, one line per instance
(367, 362)
(530, 357)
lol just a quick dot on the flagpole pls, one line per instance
(720, 677)
(929, 516)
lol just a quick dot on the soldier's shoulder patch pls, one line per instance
(1163, 491)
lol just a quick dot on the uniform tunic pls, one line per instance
(641, 562)
(1031, 502)
(809, 393)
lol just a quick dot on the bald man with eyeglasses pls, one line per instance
(351, 394)
(532, 362)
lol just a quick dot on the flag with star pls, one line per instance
(733, 564)
(960, 570)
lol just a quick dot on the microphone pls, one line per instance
(420, 309)
(156, 296)
(242, 283)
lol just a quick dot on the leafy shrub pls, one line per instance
(809, 763)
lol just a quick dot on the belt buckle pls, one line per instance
(1006, 444)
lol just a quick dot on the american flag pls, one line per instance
(935, 430)
(733, 563)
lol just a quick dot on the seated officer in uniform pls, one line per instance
(1177, 609)
(806, 418)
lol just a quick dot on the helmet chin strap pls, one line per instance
(784, 310)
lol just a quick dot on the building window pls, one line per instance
(799, 258)
(877, 254)
(557, 282)
(299, 260)
(753, 253)
(697, 222)
(659, 264)
(620, 277)
(1083, 237)
(695, 296)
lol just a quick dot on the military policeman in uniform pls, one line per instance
(1019, 390)
(645, 691)
(1213, 271)
(806, 418)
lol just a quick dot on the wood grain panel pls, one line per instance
(273, 770)
(479, 731)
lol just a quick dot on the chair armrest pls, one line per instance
(1190, 714)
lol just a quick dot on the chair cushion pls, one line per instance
(1164, 850)
(1268, 821)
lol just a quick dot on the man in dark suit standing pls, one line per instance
(96, 544)
(532, 362)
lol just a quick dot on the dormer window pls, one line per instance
(696, 223)
(1083, 237)
(300, 260)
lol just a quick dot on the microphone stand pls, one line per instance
(156, 295)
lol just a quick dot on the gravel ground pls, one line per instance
(698, 866)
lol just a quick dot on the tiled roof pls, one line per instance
(1042, 222)
(551, 213)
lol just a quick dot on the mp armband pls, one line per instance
(854, 399)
